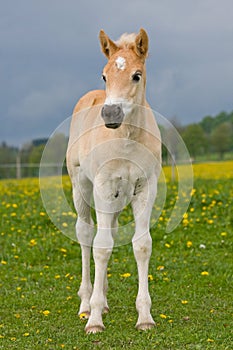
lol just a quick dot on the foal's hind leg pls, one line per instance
(82, 191)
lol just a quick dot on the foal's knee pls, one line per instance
(142, 247)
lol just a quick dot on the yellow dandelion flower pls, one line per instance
(32, 243)
(204, 273)
(63, 250)
(126, 275)
(83, 316)
(163, 316)
(42, 213)
(167, 245)
(160, 268)
(184, 302)
(150, 278)
(189, 244)
(57, 276)
(3, 262)
(26, 334)
(64, 224)
(223, 234)
(210, 340)
(46, 312)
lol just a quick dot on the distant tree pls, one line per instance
(55, 153)
(222, 138)
(195, 140)
(8, 156)
(35, 154)
(207, 124)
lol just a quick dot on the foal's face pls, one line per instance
(125, 78)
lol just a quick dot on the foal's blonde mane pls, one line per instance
(126, 41)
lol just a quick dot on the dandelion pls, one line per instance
(83, 316)
(32, 243)
(204, 273)
(26, 334)
(126, 275)
(63, 250)
(160, 268)
(210, 340)
(42, 213)
(223, 234)
(189, 244)
(184, 302)
(57, 276)
(163, 316)
(167, 245)
(64, 224)
(3, 262)
(46, 312)
(150, 278)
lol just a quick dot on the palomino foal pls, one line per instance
(114, 155)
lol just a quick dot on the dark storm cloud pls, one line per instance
(49, 57)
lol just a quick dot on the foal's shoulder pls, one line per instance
(92, 98)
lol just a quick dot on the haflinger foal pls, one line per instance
(114, 157)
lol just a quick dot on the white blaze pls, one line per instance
(120, 62)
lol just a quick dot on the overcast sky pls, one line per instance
(50, 56)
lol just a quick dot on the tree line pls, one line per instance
(211, 138)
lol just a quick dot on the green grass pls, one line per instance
(40, 271)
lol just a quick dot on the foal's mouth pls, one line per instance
(113, 125)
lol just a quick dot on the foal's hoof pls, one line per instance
(94, 329)
(144, 326)
(105, 310)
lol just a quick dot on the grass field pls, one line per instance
(190, 275)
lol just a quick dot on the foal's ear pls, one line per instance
(107, 45)
(142, 43)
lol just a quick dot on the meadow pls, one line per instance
(190, 276)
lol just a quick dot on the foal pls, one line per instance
(114, 155)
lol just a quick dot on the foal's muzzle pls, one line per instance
(112, 115)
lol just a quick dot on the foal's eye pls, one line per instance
(137, 76)
(104, 78)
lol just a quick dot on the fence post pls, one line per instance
(18, 166)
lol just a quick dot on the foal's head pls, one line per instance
(124, 75)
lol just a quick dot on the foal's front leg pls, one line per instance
(102, 249)
(142, 246)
